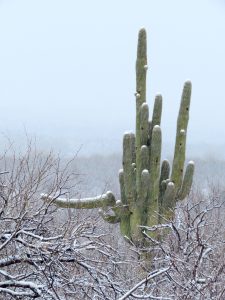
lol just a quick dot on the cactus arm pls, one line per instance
(128, 160)
(154, 168)
(141, 70)
(164, 175)
(139, 214)
(156, 117)
(183, 116)
(157, 111)
(165, 170)
(169, 199)
(149, 132)
(154, 165)
(107, 199)
(180, 145)
(144, 124)
(124, 216)
(122, 187)
(187, 181)
(179, 159)
(144, 157)
(143, 208)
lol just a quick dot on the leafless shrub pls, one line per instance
(47, 253)
(50, 253)
(190, 253)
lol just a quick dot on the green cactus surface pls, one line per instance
(149, 188)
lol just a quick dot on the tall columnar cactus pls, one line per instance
(148, 192)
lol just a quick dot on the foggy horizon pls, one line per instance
(67, 73)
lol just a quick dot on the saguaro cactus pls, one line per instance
(148, 191)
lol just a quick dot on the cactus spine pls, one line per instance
(148, 192)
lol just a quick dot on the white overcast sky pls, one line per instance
(67, 68)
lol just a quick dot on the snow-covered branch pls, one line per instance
(106, 199)
(144, 281)
(42, 249)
